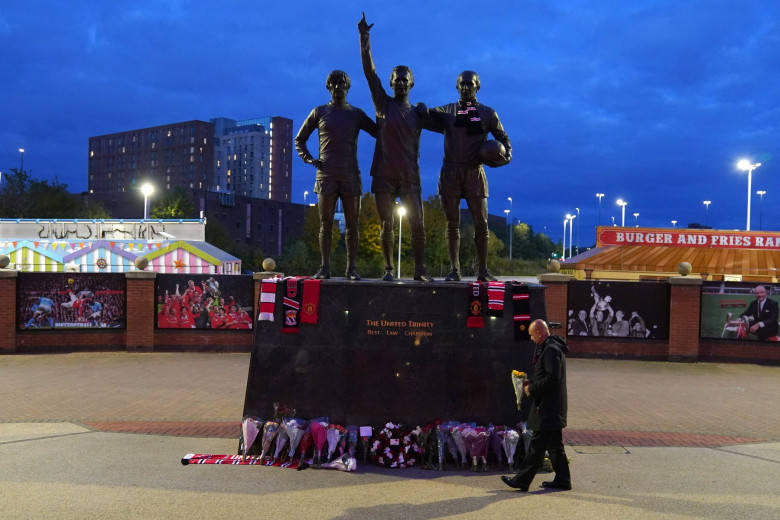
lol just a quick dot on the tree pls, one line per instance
(437, 259)
(25, 197)
(217, 235)
(175, 203)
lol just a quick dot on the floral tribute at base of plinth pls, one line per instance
(394, 447)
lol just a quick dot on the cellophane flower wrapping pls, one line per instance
(426, 441)
(319, 433)
(306, 441)
(270, 430)
(442, 440)
(352, 440)
(518, 378)
(334, 435)
(457, 435)
(511, 438)
(343, 463)
(495, 442)
(281, 440)
(249, 431)
(477, 441)
(295, 429)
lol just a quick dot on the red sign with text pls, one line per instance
(709, 238)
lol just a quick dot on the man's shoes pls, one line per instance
(351, 274)
(422, 276)
(509, 481)
(551, 484)
(388, 276)
(322, 274)
(454, 276)
(485, 276)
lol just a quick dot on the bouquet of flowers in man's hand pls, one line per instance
(518, 381)
(319, 433)
(270, 430)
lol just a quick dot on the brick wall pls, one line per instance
(684, 318)
(140, 335)
(8, 318)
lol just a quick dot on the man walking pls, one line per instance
(547, 415)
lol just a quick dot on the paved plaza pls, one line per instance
(101, 435)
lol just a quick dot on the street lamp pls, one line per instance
(621, 202)
(563, 249)
(674, 223)
(510, 232)
(707, 212)
(401, 213)
(599, 195)
(21, 159)
(571, 225)
(744, 164)
(761, 194)
(147, 189)
(636, 219)
(511, 227)
(613, 221)
(577, 248)
(304, 197)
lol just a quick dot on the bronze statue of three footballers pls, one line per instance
(395, 168)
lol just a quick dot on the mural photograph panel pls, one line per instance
(48, 301)
(618, 309)
(739, 310)
(207, 302)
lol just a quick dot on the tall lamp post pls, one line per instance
(707, 212)
(304, 197)
(744, 164)
(761, 194)
(571, 225)
(674, 223)
(511, 227)
(636, 219)
(577, 247)
(600, 195)
(510, 234)
(21, 159)
(563, 249)
(621, 202)
(147, 189)
(401, 213)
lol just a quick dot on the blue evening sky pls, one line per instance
(653, 101)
